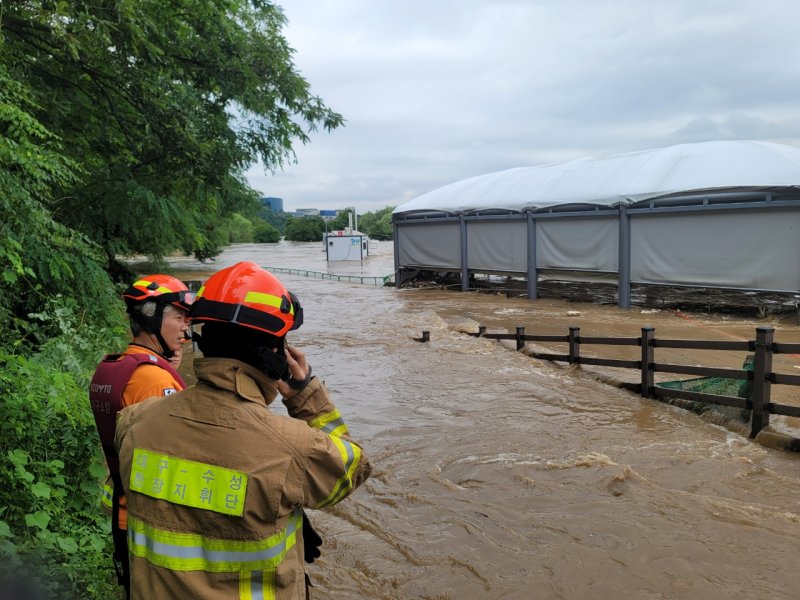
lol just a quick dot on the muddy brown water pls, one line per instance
(500, 476)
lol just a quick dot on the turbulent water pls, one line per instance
(500, 476)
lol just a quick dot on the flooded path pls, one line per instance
(501, 476)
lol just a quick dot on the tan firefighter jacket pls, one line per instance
(216, 483)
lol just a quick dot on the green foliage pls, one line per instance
(377, 225)
(54, 309)
(276, 219)
(305, 229)
(162, 106)
(240, 228)
(125, 127)
(265, 233)
(341, 220)
(39, 259)
(50, 460)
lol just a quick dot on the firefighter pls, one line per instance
(157, 306)
(216, 480)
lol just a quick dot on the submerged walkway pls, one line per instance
(370, 280)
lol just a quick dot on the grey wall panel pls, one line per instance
(578, 243)
(434, 245)
(498, 246)
(757, 250)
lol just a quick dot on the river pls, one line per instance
(500, 476)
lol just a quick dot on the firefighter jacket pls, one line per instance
(217, 482)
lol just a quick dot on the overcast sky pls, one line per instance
(436, 91)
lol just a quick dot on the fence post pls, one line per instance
(426, 336)
(624, 277)
(520, 341)
(481, 330)
(574, 345)
(531, 267)
(762, 368)
(464, 254)
(648, 358)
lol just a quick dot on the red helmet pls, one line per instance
(247, 295)
(161, 288)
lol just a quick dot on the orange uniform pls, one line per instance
(147, 381)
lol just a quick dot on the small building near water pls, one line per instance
(346, 244)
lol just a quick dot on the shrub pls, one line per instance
(240, 228)
(264, 233)
(51, 462)
(305, 229)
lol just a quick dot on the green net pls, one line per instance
(719, 386)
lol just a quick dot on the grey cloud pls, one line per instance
(438, 91)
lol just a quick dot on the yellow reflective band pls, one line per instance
(331, 423)
(107, 498)
(267, 299)
(257, 585)
(194, 552)
(145, 283)
(187, 482)
(351, 455)
(200, 291)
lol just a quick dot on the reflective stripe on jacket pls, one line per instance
(216, 483)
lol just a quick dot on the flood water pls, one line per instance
(497, 475)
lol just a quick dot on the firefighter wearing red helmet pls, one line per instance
(217, 482)
(157, 306)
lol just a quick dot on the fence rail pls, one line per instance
(382, 280)
(758, 402)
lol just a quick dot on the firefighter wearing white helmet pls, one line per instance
(216, 481)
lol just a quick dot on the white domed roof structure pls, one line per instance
(622, 178)
(722, 215)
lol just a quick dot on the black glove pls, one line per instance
(300, 384)
(311, 540)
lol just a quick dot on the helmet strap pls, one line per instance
(152, 325)
(260, 350)
(165, 351)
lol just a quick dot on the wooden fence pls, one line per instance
(762, 376)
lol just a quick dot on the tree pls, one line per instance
(265, 233)
(377, 225)
(276, 219)
(57, 307)
(42, 263)
(305, 229)
(162, 105)
(240, 229)
(341, 220)
(125, 127)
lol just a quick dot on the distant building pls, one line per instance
(307, 212)
(274, 204)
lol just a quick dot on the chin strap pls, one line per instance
(152, 325)
(165, 351)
